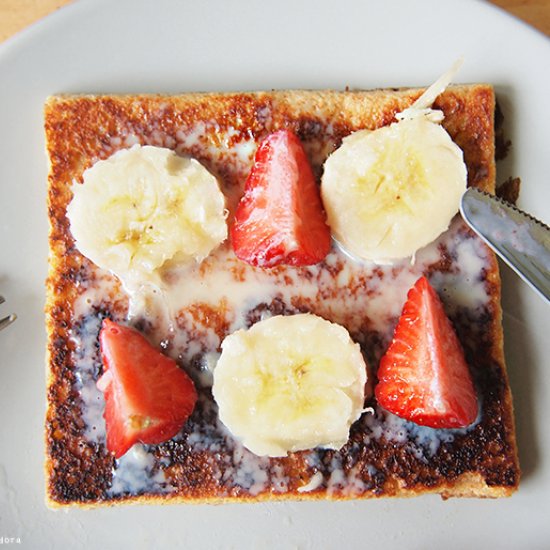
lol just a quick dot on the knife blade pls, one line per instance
(522, 241)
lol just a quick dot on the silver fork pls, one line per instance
(6, 320)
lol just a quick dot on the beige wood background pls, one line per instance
(17, 14)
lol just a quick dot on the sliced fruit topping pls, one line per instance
(280, 219)
(423, 376)
(290, 383)
(148, 397)
(143, 207)
(391, 191)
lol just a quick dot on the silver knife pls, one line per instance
(522, 241)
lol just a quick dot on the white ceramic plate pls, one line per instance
(177, 46)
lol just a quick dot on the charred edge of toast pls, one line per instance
(77, 127)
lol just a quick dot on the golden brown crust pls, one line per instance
(82, 129)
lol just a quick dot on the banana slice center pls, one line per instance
(290, 383)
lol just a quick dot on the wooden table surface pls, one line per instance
(17, 14)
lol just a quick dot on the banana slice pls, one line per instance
(143, 207)
(389, 192)
(289, 384)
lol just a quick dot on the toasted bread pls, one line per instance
(385, 456)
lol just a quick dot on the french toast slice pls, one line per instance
(385, 455)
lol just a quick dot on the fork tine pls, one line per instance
(7, 320)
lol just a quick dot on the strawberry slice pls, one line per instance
(423, 376)
(280, 219)
(148, 397)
